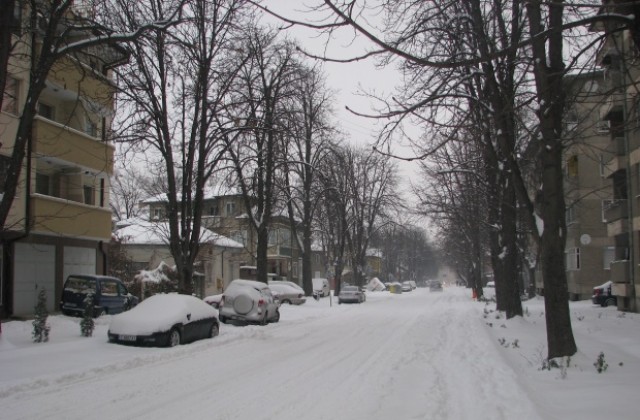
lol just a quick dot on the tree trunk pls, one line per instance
(261, 254)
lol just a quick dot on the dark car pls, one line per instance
(602, 295)
(110, 295)
(165, 320)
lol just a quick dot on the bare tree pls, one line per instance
(175, 90)
(128, 189)
(307, 141)
(262, 98)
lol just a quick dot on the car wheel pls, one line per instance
(223, 319)
(277, 317)
(286, 301)
(174, 337)
(610, 302)
(215, 330)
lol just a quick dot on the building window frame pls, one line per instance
(572, 258)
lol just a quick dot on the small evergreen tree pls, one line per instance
(87, 325)
(40, 326)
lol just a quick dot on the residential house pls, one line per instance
(60, 220)
(225, 214)
(146, 244)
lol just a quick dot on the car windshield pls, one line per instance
(80, 285)
(350, 289)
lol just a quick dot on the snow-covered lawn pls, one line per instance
(419, 355)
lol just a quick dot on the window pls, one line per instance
(157, 213)
(46, 111)
(571, 122)
(572, 166)
(572, 259)
(603, 126)
(230, 209)
(16, 21)
(214, 211)
(88, 194)
(10, 96)
(273, 237)
(43, 184)
(605, 205)
(608, 255)
(91, 128)
(570, 215)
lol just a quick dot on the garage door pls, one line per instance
(79, 260)
(34, 269)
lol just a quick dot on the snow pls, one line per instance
(418, 355)
(149, 233)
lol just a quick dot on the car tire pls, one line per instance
(609, 302)
(277, 317)
(223, 319)
(214, 330)
(174, 338)
(286, 301)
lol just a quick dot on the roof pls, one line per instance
(148, 233)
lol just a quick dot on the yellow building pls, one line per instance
(60, 220)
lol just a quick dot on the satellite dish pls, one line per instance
(585, 239)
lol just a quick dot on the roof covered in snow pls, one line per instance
(149, 233)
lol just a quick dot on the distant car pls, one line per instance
(249, 301)
(435, 286)
(288, 283)
(110, 295)
(351, 294)
(406, 286)
(165, 320)
(320, 286)
(213, 300)
(287, 293)
(602, 295)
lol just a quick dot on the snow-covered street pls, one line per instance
(419, 355)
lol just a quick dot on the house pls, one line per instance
(225, 214)
(60, 220)
(620, 109)
(217, 263)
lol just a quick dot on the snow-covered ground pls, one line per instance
(419, 355)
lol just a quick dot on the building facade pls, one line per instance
(60, 220)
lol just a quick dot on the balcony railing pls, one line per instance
(60, 142)
(620, 271)
(617, 210)
(69, 218)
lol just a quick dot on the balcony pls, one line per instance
(60, 142)
(616, 215)
(620, 271)
(69, 218)
(618, 160)
(612, 106)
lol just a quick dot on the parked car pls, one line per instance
(406, 286)
(351, 294)
(165, 320)
(213, 300)
(288, 283)
(320, 286)
(435, 286)
(287, 294)
(249, 301)
(491, 284)
(110, 295)
(602, 295)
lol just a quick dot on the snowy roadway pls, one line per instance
(420, 355)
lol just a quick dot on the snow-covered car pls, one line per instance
(213, 300)
(287, 294)
(288, 283)
(165, 320)
(320, 286)
(109, 293)
(351, 294)
(406, 286)
(249, 301)
(602, 295)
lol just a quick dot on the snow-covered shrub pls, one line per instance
(40, 326)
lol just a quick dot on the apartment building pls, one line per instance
(60, 220)
(588, 195)
(619, 57)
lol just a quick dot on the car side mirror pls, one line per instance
(188, 317)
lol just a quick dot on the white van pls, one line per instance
(320, 286)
